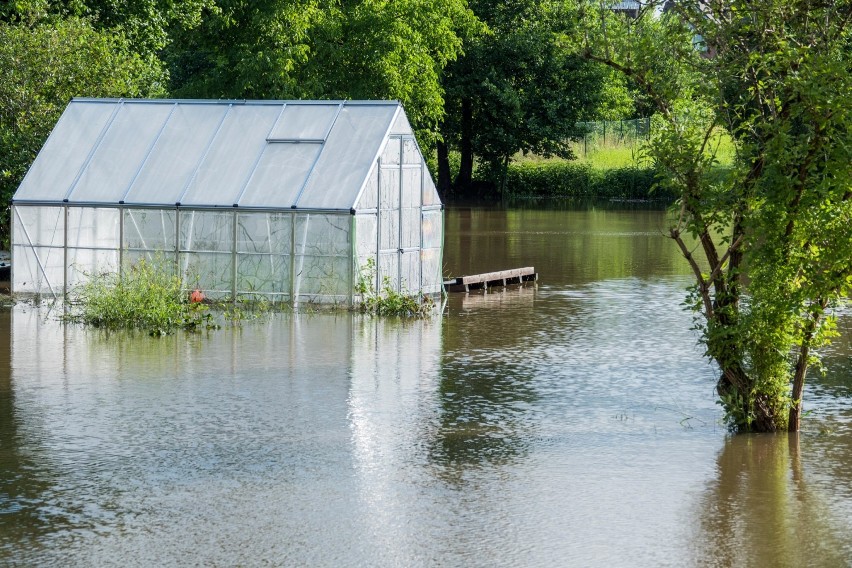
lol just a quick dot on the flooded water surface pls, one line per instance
(571, 423)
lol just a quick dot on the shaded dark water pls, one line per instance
(568, 424)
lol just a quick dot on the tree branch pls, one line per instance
(724, 258)
(702, 283)
(640, 79)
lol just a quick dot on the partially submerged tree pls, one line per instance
(769, 240)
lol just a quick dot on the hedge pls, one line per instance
(566, 179)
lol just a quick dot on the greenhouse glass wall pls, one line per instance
(291, 201)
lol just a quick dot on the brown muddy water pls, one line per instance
(568, 424)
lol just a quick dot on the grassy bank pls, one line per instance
(613, 170)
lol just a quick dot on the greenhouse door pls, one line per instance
(400, 190)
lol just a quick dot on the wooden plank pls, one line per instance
(492, 276)
(491, 279)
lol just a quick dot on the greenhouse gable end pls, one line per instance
(291, 201)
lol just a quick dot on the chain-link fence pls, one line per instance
(612, 133)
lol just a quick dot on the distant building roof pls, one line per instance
(626, 5)
(629, 7)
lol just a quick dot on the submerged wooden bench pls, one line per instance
(491, 279)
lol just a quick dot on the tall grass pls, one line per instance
(629, 152)
(147, 295)
(618, 168)
(387, 301)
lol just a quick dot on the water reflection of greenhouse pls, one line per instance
(290, 201)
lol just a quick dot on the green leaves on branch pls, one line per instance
(244, 50)
(387, 301)
(146, 295)
(390, 49)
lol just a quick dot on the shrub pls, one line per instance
(568, 179)
(146, 295)
(387, 301)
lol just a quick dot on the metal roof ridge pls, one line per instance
(344, 102)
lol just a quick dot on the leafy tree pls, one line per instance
(515, 89)
(145, 24)
(343, 49)
(369, 49)
(42, 66)
(770, 239)
(241, 49)
(617, 98)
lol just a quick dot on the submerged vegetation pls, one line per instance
(146, 296)
(387, 301)
(150, 296)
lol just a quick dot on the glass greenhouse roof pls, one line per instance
(258, 154)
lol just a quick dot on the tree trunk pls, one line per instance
(465, 175)
(443, 169)
(504, 174)
(763, 416)
(795, 418)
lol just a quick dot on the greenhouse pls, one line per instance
(290, 201)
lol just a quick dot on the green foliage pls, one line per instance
(146, 295)
(244, 50)
(616, 101)
(568, 179)
(516, 89)
(387, 301)
(44, 65)
(376, 49)
(397, 49)
(765, 88)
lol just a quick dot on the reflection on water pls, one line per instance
(570, 422)
(767, 509)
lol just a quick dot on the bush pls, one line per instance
(568, 179)
(147, 296)
(387, 301)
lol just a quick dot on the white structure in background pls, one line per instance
(288, 200)
(629, 7)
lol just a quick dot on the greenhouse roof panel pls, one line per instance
(176, 155)
(275, 154)
(232, 156)
(120, 153)
(304, 122)
(66, 152)
(279, 175)
(347, 157)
